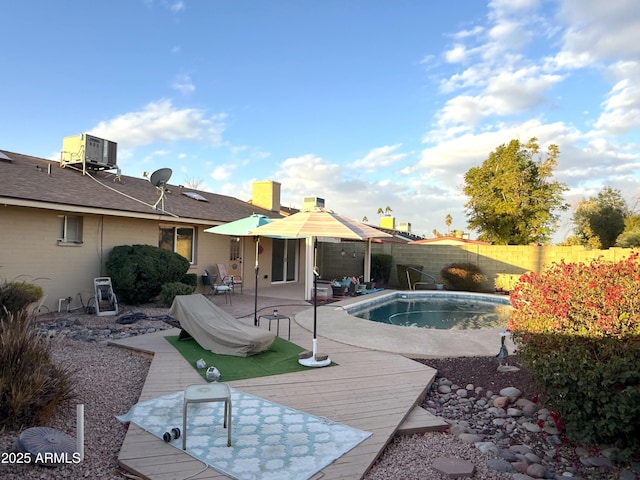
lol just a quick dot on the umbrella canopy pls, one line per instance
(318, 222)
(241, 227)
(314, 223)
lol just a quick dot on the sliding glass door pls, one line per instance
(284, 263)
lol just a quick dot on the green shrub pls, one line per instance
(577, 328)
(463, 277)
(381, 267)
(139, 271)
(15, 296)
(170, 290)
(190, 279)
(31, 385)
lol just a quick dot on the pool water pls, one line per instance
(439, 312)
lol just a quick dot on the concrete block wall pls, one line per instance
(494, 260)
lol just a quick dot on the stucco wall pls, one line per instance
(29, 251)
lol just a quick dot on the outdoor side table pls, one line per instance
(277, 317)
(204, 393)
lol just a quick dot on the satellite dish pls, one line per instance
(159, 179)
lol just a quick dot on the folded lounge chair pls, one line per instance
(216, 330)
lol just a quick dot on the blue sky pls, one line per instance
(367, 104)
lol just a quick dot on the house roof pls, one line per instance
(448, 240)
(399, 236)
(40, 183)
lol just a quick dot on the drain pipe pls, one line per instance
(80, 430)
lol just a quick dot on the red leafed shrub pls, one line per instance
(577, 327)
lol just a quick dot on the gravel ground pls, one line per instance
(410, 457)
(108, 381)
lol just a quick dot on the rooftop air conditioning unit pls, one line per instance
(404, 227)
(92, 152)
(312, 202)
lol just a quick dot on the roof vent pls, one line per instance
(89, 152)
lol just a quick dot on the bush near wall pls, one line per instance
(170, 290)
(139, 271)
(32, 386)
(463, 276)
(15, 296)
(381, 267)
(577, 328)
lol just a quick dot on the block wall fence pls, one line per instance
(501, 263)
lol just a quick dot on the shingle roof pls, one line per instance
(24, 178)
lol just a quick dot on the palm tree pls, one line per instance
(447, 220)
(365, 219)
(380, 211)
(387, 210)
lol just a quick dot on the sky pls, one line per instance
(367, 104)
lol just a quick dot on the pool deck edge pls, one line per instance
(335, 323)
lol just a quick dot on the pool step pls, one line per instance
(419, 421)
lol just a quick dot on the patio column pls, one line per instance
(308, 268)
(367, 260)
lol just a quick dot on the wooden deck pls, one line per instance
(369, 390)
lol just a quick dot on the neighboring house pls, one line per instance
(58, 225)
(399, 236)
(448, 241)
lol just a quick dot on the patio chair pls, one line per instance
(216, 285)
(227, 279)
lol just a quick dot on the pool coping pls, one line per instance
(334, 322)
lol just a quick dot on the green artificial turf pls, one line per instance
(281, 358)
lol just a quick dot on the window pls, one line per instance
(234, 248)
(180, 240)
(69, 229)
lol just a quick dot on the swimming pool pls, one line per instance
(436, 310)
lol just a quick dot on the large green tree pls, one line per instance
(599, 220)
(513, 198)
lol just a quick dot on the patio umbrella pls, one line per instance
(314, 223)
(241, 228)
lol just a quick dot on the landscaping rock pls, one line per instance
(453, 467)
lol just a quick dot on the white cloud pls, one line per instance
(161, 122)
(472, 77)
(378, 158)
(155, 154)
(184, 84)
(176, 6)
(599, 30)
(514, 92)
(222, 172)
(463, 34)
(621, 110)
(463, 109)
(457, 54)
(503, 8)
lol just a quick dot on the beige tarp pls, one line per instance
(216, 330)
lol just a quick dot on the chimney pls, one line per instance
(388, 222)
(266, 194)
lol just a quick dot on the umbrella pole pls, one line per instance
(315, 360)
(255, 293)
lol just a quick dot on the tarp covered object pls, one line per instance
(216, 330)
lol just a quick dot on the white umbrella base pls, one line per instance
(312, 362)
(313, 358)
